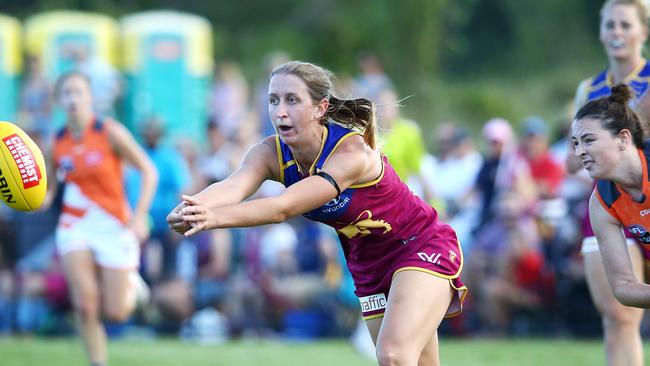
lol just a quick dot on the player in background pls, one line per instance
(623, 32)
(98, 237)
(405, 263)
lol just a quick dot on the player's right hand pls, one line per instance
(175, 220)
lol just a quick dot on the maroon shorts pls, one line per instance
(440, 256)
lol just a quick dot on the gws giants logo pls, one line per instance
(640, 233)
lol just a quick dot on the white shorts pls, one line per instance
(590, 244)
(113, 244)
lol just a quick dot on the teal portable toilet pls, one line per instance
(10, 66)
(58, 37)
(167, 60)
(54, 36)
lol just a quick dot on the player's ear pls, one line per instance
(321, 108)
(625, 138)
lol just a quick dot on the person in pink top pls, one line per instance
(405, 263)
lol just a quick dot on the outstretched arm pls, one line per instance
(616, 259)
(259, 164)
(346, 166)
(301, 197)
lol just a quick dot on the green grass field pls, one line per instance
(504, 352)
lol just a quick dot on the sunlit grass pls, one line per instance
(466, 352)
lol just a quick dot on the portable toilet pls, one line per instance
(167, 61)
(69, 40)
(10, 66)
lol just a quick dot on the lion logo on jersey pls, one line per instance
(640, 233)
(452, 256)
(362, 225)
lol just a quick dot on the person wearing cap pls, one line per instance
(546, 172)
(456, 165)
(506, 241)
(503, 169)
(174, 177)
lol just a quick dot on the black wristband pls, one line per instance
(331, 180)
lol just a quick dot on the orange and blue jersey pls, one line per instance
(600, 86)
(92, 172)
(383, 227)
(633, 215)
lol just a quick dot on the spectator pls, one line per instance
(228, 102)
(454, 176)
(503, 170)
(547, 173)
(35, 106)
(105, 80)
(372, 80)
(174, 178)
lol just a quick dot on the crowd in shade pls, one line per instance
(503, 189)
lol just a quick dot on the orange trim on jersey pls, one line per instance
(605, 207)
(625, 209)
(644, 185)
(73, 211)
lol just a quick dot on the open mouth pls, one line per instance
(617, 43)
(284, 128)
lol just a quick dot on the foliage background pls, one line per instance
(460, 60)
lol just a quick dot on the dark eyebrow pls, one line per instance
(286, 95)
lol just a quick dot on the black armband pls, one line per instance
(329, 178)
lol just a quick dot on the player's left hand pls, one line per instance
(196, 214)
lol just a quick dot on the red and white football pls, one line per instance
(23, 179)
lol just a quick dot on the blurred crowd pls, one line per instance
(503, 189)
